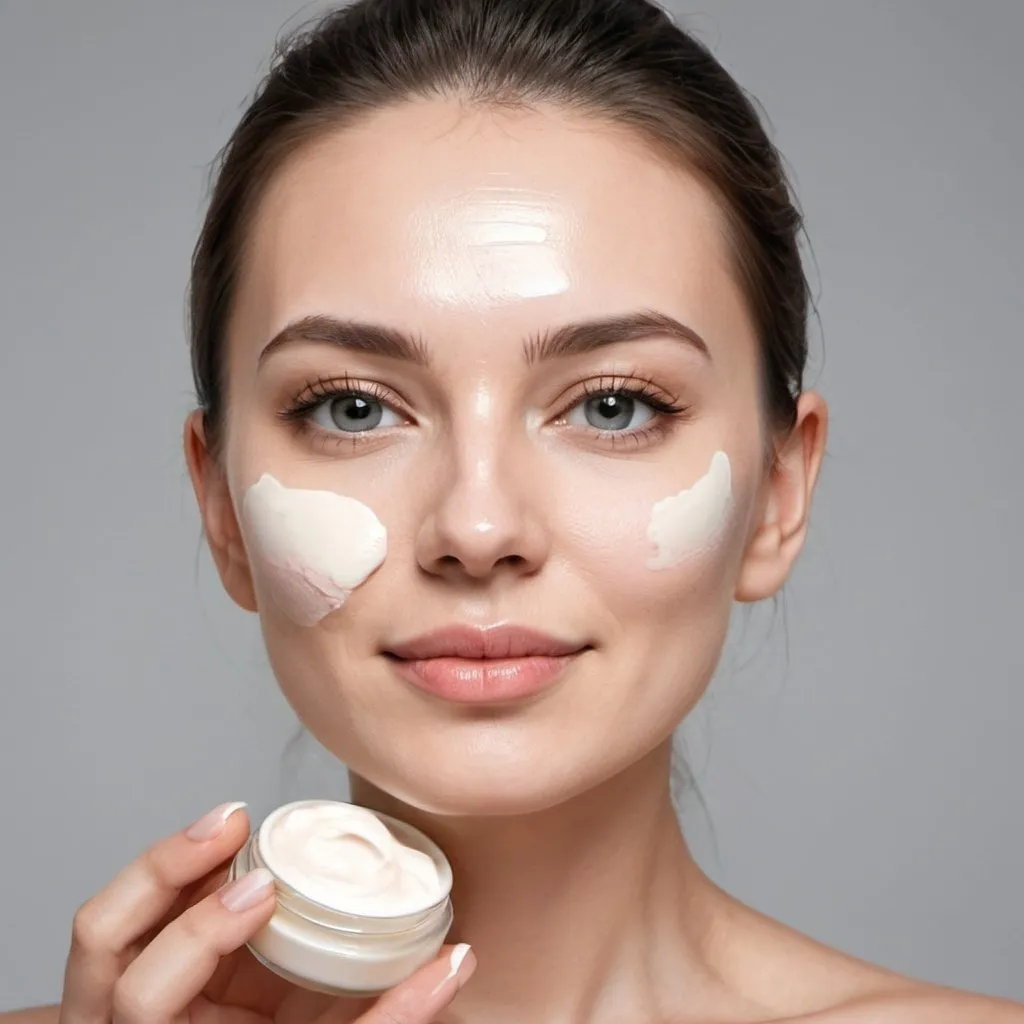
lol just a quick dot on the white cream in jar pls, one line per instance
(362, 898)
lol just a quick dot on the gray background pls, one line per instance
(860, 757)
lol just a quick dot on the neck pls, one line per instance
(593, 909)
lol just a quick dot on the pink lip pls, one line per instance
(477, 666)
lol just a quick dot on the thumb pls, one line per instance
(419, 998)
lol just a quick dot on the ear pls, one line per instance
(218, 514)
(781, 526)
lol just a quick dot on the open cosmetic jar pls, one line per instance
(363, 899)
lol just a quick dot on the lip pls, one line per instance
(504, 641)
(473, 665)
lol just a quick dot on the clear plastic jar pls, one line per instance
(340, 953)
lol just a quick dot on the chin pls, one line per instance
(454, 787)
(506, 762)
(488, 780)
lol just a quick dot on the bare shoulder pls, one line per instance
(34, 1015)
(922, 1004)
(793, 978)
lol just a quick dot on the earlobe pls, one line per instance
(785, 507)
(216, 509)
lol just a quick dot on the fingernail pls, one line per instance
(248, 890)
(459, 967)
(211, 824)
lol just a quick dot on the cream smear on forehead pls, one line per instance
(492, 244)
(315, 547)
(691, 521)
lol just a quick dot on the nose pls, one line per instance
(485, 516)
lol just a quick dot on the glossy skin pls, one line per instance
(477, 231)
(501, 503)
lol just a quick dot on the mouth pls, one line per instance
(471, 665)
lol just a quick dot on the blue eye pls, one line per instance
(612, 410)
(353, 413)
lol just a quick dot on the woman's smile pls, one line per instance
(484, 665)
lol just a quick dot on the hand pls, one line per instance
(164, 943)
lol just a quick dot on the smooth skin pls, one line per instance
(165, 942)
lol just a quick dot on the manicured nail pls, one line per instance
(458, 966)
(210, 825)
(247, 891)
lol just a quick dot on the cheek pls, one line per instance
(647, 550)
(309, 549)
(688, 527)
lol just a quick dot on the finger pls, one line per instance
(173, 969)
(420, 998)
(133, 903)
(189, 896)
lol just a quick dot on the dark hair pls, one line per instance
(623, 61)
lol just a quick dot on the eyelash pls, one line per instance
(667, 410)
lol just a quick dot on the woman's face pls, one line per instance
(516, 484)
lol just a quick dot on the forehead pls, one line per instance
(428, 212)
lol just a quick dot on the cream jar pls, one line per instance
(363, 899)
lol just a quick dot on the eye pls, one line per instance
(353, 413)
(612, 410)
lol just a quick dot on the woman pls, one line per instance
(521, 278)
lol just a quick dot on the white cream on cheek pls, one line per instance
(688, 523)
(314, 547)
(494, 244)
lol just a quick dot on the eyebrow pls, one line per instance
(351, 335)
(568, 340)
(587, 335)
